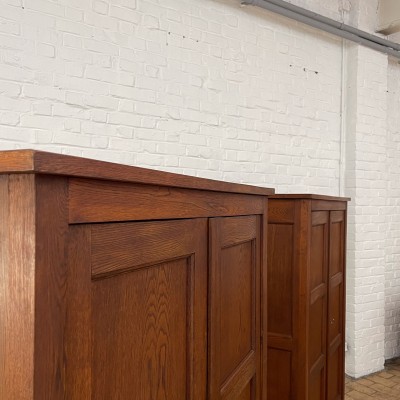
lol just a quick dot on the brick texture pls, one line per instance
(213, 89)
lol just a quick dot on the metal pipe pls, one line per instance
(328, 25)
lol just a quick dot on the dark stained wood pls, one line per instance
(50, 286)
(116, 282)
(301, 310)
(149, 325)
(97, 201)
(306, 297)
(280, 274)
(19, 161)
(308, 196)
(281, 342)
(279, 378)
(264, 301)
(78, 347)
(148, 243)
(318, 291)
(282, 212)
(4, 223)
(17, 286)
(319, 205)
(234, 320)
(336, 316)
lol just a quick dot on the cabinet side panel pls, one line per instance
(50, 286)
(17, 286)
(280, 279)
(4, 222)
(279, 374)
(78, 355)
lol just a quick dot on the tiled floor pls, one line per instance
(384, 385)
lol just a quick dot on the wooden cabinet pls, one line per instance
(306, 297)
(125, 283)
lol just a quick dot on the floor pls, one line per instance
(384, 385)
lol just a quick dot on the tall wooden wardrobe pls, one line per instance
(122, 283)
(306, 297)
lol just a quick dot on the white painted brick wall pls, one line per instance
(392, 267)
(204, 88)
(212, 89)
(367, 181)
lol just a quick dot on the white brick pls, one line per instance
(100, 47)
(45, 50)
(225, 92)
(75, 28)
(125, 14)
(127, 119)
(72, 40)
(47, 7)
(9, 118)
(9, 27)
(100, 7)
(10, 89)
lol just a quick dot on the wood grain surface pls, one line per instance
(234, 308)
(148, 244)
(50, 286)
(17, 286)
(149, 324)
(78, 332)
(98, 201)
(306, 297)
(57, 164)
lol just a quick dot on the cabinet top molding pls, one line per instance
(40, 162)
(309, 196)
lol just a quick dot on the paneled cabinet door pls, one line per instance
(234, 308)
(335, 336)
(318, 293)
(137, 311)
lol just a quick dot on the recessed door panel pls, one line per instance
(137, 311)
(236, 299)
(139, 333)
(281, 277)
(335, 345)
(234, 309)
(318, 304)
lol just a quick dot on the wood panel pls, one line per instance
(279, 374)
(318, 274)
(335, 323)
(324, 205)
(264, 302)
(50, 286)
(280, 278)
(17, 286)
(148, 242)
(97, 201)
(4, 223)
(234, 320)
(147, 324)
(281, 211)
(78, 348)
(309, 255)
(42, 162)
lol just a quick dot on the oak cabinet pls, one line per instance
(306, 297)
(125, 283)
